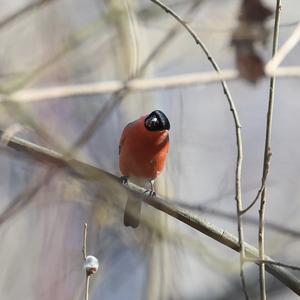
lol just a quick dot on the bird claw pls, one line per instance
(150, 193)
(124, 179)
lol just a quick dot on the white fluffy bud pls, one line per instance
(91, 265)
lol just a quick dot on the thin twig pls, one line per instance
(84, 240)
(87, 276)
(89, 172)
(285, 49)
(87, 286)
(265, 261)
(263, 184)
(261, 233)
(238, 193)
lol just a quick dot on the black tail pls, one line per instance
(132, 212)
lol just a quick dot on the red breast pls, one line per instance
(143, 152)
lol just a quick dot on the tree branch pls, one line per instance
(287, 47)
(89, 172)
(135, 85)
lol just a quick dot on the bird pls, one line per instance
(143, 149)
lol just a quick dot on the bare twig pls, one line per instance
(84, 240)
(87, 276)
(261, 233)
(86, 171)
(90, 263)
(265, 261)
(238, 193)
(87, 286)
(291, 42)
(263, 184)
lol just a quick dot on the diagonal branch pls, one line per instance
(277, 263)
(280, 55)
(89, 172)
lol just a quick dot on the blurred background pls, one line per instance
(62, 42)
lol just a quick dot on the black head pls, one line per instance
(157, 121)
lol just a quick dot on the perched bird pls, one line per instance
(143, 150)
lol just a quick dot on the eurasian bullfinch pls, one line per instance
(143, 150)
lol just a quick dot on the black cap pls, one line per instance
(157, 121)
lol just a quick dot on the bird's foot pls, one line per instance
(150, 193)
(124, 179)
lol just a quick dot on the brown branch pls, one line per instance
(89, 172)
(238, 192)
(279, 228)
(47, 156)
(261, 230)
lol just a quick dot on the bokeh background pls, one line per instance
(64, 42)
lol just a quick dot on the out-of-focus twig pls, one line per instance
(23, 11)
(23, 200)
(135, 85)
(89, 172)
(238, 192)
(106, 87)
(285, 49)
(267, 151)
